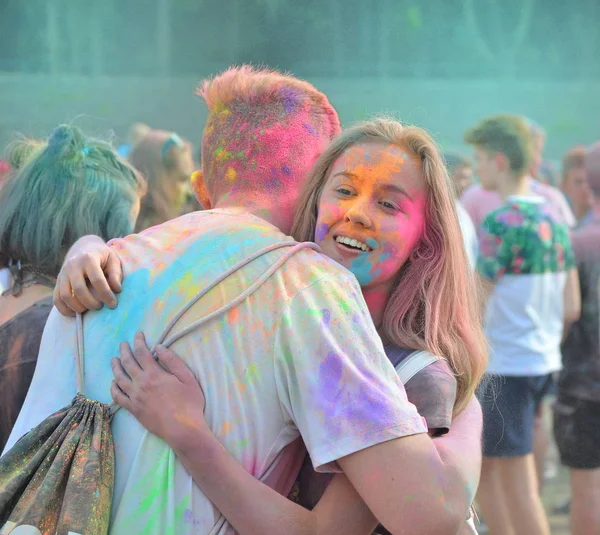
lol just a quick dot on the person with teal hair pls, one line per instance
(62, 189)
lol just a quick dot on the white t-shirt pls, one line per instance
(299, 357)
(469, 233)
(526, 252)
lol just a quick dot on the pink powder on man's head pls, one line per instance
(264, 132)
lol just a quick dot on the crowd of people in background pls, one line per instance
(478, 266)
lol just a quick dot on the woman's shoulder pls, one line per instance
(430, 385)
(28, 322)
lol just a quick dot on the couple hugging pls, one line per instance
(298, 377)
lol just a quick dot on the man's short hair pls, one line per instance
(507, 134)
(264, 130)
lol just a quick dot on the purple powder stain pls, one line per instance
(310, 129)
(330, 389)
(188, 518)
(289, 98)
(321, 232)
(326, 316)
(286, 170)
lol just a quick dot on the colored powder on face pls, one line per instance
(363, 269)
(371, 242)
(321, 232)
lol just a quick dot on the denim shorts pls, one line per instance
(509, 407)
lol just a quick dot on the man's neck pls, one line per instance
(264, 209)
(511, 185)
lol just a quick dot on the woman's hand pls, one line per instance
(88, 260)
(167, 402)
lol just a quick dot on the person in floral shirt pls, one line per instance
(527, 269)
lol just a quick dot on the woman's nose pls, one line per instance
(358, 214)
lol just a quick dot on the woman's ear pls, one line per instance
(200, 190)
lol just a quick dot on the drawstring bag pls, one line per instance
(59, 477)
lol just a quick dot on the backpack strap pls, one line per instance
(397, 354)
(414, 363)
(294, 248)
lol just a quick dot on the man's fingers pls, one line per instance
(174, 364)
(69, 299)
(60, 304)
(80, 290)
(142, 354)
(121, 377)
(128, 361)
(100, 285)
(114, 272)
(119, 397)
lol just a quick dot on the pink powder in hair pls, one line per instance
(273, 142)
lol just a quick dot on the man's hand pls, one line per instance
(167, 402)
(90, 274)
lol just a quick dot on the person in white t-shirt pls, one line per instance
(298, 358)
(526, 265)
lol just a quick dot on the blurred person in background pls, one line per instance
(166, 162)
(527, 270)
(479, 202)
(460, 172)
(17, 152)
(577, 409)
(63, 189)
(575, 185)
(135, 135)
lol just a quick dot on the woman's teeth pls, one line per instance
(352, 243)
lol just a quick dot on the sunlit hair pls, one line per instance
(434, 305)
(507, 134)
(70, 187)
(264, 131)
(536, 130)
(167, 188)
(21, 149)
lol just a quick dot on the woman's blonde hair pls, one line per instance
(434, 305)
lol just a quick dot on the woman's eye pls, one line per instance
(344, 191)
(389, 205)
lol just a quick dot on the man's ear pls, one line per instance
(501, 161)
(200, 190)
